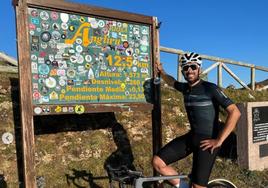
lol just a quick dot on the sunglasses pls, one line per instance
(186, 67)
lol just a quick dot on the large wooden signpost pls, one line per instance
(82, 59)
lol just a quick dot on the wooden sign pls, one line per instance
(252, 136)
(75, 58)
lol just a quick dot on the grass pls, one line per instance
(71, 156)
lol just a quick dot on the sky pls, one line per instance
(233, 29)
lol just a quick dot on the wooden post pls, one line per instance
(252, 75)
(179, 70)
(220, 74)
(25, 92)
(156, 113)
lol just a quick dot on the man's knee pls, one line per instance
(158, 163)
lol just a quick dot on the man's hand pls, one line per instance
(159, 67)
(210, 144)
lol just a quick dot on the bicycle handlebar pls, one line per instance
(122, 173)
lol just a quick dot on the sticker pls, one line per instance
(123, 86)
(143, 48)
(45, 98)
(78, 41)
(34, 68)
(32, 26)
(90, 74)
(37, 110)
(33, 57)
(50, 82)
(36, 95)
(125, 44)
(34, 13)
(129, 51)
(127, 93)
(71, 73)
(134, 69)
(56, 35)
(79, 109)
(53, 95)
(44, 90)
(82, 19)
(88, 58)
(45, 25)
(64, 26)
(101, 23)
(62, 82)
(61, 72)
(80, 59)
(64, 109)
(55, 26)
(31, 32)
(46, 109)
(71, 109)
(64, 17)
(79, 48)
(73, 59)
(58, 109)
(54, 15)
(44, 15)
(71, 28)
(7, 138)
(45, 36)
(43, 69)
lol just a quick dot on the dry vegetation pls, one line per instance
(72, 151)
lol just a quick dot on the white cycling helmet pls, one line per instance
(190, 58)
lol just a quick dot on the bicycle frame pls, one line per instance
(139, 181)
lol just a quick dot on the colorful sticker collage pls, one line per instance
(78, 59)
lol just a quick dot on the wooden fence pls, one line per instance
(220, 63)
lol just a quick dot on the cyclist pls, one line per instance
(201, 100)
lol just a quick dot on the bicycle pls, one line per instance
(135, 179)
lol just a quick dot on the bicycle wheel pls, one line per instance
(221, 183)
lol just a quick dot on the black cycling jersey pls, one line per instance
(202, 103)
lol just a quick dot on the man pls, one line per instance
(202, 100)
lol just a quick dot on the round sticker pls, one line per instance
(78, 41)
(43, 69)
(34, 13)
(37, 110)
(44, 15)
(101, 23)
(64, 26)
(45, 36)
(44, 90)
(80, 59)
(33, 57)
(7, 138)
(134, 69)
(62, 82)
(56, 35)
(94, 24)
(54, 15)
(73, 59)
(129, 51)
(45, 25)
(143, 48)
(88, 58)
(79, 109)
(71, 73)
(79, 49)
(43, 45)
(125, 44)
(71, 28)
(50, 82)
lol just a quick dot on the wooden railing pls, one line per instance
(220, 63)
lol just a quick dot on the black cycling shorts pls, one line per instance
(184, 145)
